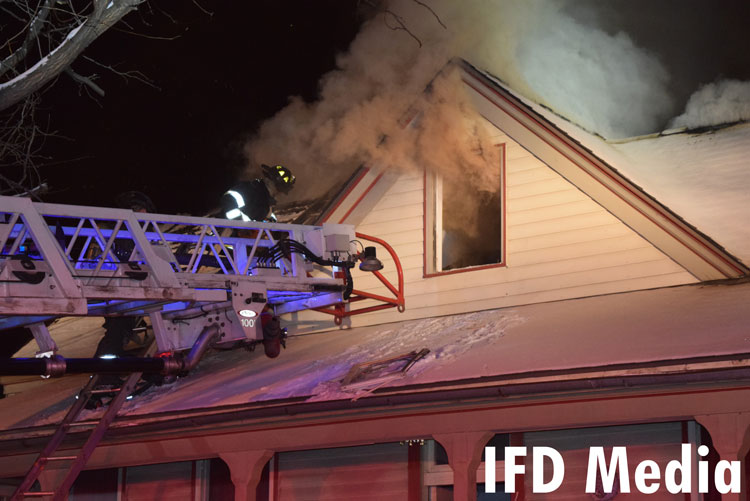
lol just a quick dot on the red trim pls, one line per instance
(275, 476)
(607, 172)
(406, 122)
(123, 487)
(346, 193)
(464, 270)
(414, 472)
(503, 245)
(193, 477)
(362, 196)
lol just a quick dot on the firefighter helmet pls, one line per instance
(281, 177)
(135, 201)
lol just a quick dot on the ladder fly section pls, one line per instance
(184, 272)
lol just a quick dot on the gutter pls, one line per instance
(300, 408)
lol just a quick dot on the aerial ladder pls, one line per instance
(200, 281)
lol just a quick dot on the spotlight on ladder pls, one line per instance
(370, 262)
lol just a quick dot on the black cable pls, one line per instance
(284, 248)
(349, 284)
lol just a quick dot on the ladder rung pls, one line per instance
(111, 390)
(60, 458)
(38, 494)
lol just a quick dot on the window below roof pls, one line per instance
(464, 223)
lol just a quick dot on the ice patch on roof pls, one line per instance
(723, 102)
(446, 338)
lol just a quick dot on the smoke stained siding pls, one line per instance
(560, 244)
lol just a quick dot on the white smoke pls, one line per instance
(726, 101)
(601, 81)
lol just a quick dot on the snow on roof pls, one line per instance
(701, 175)
(631, 328)
(705, 178)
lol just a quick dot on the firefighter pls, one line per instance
(135, 201)
(254, 200)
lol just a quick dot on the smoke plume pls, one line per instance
(726, 101)
(397, 68)
(392, 102)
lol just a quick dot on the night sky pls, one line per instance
(226, 73)
(222, 76)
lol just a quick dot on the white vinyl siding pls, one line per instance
(560, 244)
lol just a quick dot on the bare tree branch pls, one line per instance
(35, 26)
(432, 11)
(205, 11)
(39, 40)
(87, 81)
(127, 75)
(396, 22)
(21, 142)
(102, 18)
(143, 35)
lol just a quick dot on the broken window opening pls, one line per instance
(463, 222)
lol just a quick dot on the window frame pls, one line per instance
(432, 184)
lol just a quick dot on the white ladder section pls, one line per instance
(184, 272)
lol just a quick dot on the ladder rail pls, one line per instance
(95, 437)
(55, 441)
(76, 260)
(75, 252)
(128, 226)
(79, 460)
